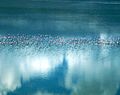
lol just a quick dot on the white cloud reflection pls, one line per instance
(92, 70)
(16, 66)
(96, 72)
(39, 65)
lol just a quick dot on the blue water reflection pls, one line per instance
(59, 65)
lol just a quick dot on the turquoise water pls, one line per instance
(59, 65)
(52, 47)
